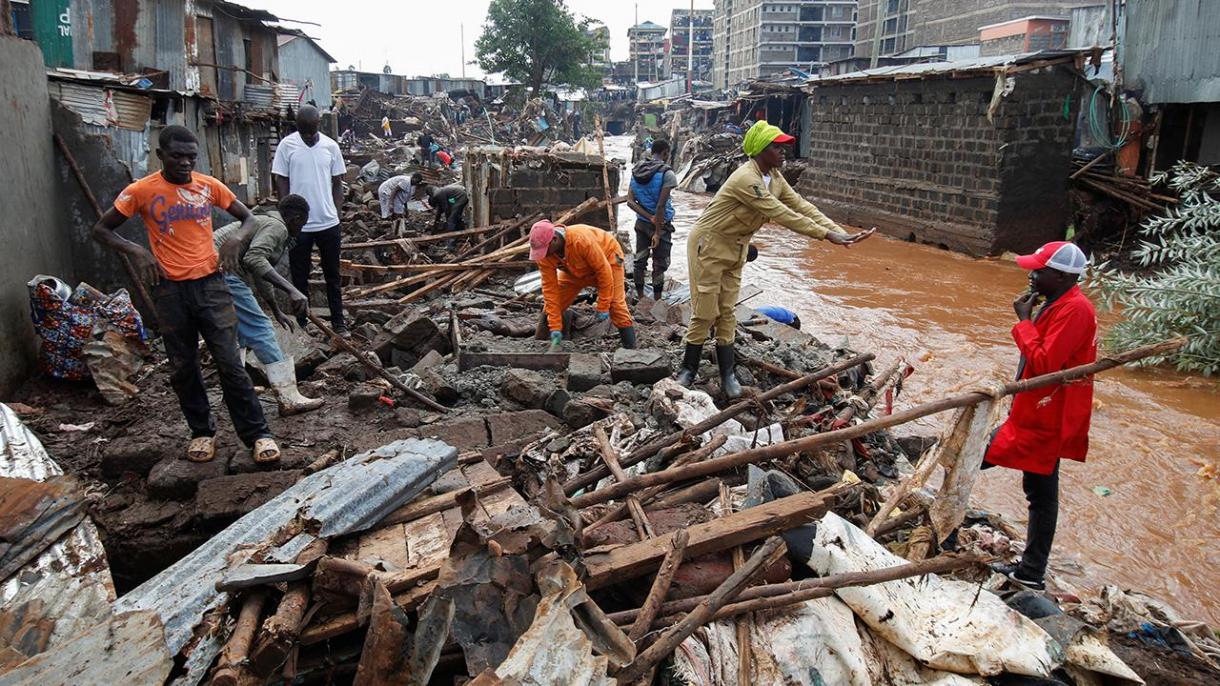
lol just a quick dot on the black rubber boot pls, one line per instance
(656, 291)
(626, 336)
(690, 365)
(728, 374)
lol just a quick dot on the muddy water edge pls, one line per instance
(950, 315)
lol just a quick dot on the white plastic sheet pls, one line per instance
(944, 624)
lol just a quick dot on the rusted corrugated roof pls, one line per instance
(103, 106)
(65, 589)
(34, 515)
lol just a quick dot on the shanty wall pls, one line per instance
(30, 211)
(504, 184)
(920, 159)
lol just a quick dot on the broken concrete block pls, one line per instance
(226, 498)
(439, 387)
(645, 366)
(175, 478)
(557, 401)
(513, 426)
(526, 387)
(242, 460)
(342, 366)
(584, 411)
(428, 361)
(584, 371)
(364, 397)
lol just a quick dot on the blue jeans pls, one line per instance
(254, 328)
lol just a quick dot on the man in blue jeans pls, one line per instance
(275, 233)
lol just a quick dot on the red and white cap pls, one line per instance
(1061, 255)
(541, 234)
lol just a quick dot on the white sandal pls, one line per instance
(266, 451)
(201, 449)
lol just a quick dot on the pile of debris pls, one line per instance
(516, 516)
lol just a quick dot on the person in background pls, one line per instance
(574, 257)
(753, 195)
(189, 291)
(449, 202)
(395, 192)
(1048, 424)
(779, 314)
(652, 181)
(443, 156)
(425, 148)
(274, 233)
(309, 164)
(385, 127)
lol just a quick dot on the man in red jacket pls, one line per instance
(1050, 423)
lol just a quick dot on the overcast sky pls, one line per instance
(422, 37)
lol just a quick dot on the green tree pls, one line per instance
(1180, 294)
(537, 42)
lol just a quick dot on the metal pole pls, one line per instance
(690, 50)
(462, 28)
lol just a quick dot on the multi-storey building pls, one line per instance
(683, 51)
(599, 59)
(906, 24)
(647, 43)
(760, 38)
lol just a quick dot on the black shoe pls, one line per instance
(728, 374)
(690, 365)
(626, 336)
(1015, 574)
(656, 292)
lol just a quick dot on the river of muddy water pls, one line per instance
(1157, 531)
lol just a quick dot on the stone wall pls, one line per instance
(505, 184)
(920, 159)
(32, 220)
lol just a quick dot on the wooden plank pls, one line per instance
(636, 559)
(387, 543)
(469, 360)
(427, 541)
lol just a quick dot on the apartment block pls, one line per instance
(907, 24)
(647, 51)
(683, 27)
(760, 38)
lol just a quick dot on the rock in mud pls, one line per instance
(175, 478)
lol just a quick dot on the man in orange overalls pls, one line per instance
(571, 258)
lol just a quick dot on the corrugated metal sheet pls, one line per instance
(87, 101)
(126, 650)
(1172, 50)
(287, 95)
(260, 96)
(129, 110)
(103, 106)
(68, 583)
(346, 498)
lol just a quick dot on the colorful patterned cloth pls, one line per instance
(66, 325)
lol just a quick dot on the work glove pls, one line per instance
(602, 316)
(556, 339)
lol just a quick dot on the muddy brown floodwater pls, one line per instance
(950, 316)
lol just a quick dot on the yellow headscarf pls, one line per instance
(759, 137)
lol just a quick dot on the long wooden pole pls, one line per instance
(776, 450)
(643, 527)
(660, 586)
(373, 366)
(828, 584)
(650, 448)
(141, 291)
(768, 553)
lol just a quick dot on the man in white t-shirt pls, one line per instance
(311, 165)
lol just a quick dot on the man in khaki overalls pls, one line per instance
(716, 250)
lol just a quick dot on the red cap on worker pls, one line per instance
(541, 234)
(1061, 255)
(784, 138)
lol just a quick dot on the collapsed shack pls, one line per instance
(514, 182)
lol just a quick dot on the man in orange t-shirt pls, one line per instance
(191, 296)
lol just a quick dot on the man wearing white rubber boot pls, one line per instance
(274, 234)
